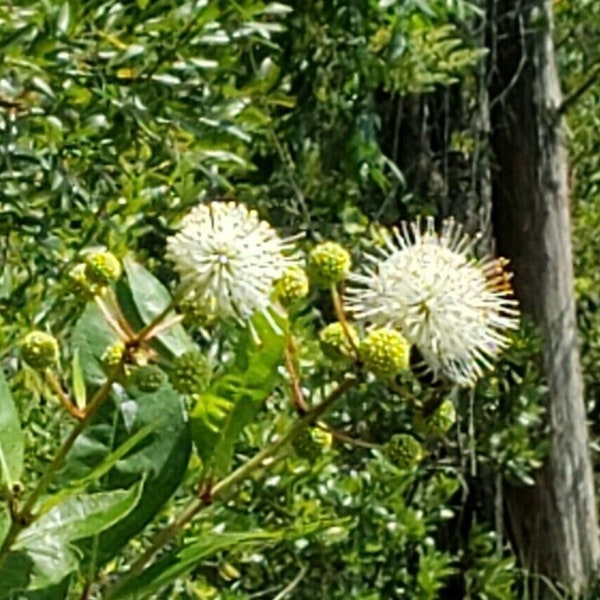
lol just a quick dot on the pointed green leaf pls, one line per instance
(78, 381)
(15, 574)
(232, 402)
(161, 457)
(91, 337)
(166, 570)
(80, 516)
(11, 438)
(151, 297)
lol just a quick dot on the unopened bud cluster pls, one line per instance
(98, 271)
(147, 379)
(385, 353)
(328, 264)
(292, 286)
(404, 451)
(113, 355)
(39, 350)
(311, 443)
(190, 373)
(338, 341)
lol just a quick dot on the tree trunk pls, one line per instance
(554, 522)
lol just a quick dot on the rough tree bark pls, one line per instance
(554, 522)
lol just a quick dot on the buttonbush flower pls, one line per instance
(456, 309)
(229, 258)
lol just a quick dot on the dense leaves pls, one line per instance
(329, 117)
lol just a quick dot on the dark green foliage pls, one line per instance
(115, 119)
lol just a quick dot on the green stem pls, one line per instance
(338, 307)
(223, 488)
(25, 516)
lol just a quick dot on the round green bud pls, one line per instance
(146, 380)
(102, 268)
(385, 353)
(292, 286)
(194, 312)
(190, 373)
(328, 264)
(403, 451)
(335, 341)
(80, 285)
(311, 443)
(437, 423)
(113, 355)
(39, 350)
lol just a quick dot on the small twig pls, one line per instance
(110, 318)
(338, 307)
(68, 405)
(26, 516)
(149, 331)
(578, 92)
(297, 395)
(292, 585)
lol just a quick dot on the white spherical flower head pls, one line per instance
(229, 258)
(454, 308)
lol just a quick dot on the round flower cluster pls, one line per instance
(328, 264)
(336, 341)
(190, 372)
(229, 259)
(453, 307)
(404, 451)
(39, 350)
(292, 286)
(385, 353)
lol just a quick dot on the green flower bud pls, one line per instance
(438, 423)
(190, 373)
(102, 268)
(113, 354)
(328, 264)
(39, 350)
(311, 443)
(80, 285)
(195, 313)
(292, 286)
(385, 353)
(146, 380)
(334, 341)
(403, 451)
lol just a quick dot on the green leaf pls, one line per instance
(11, 438)
(78, 381)
(80, 516)
(91, 337)
(151, 297)
(173, 566)
(233, 400)
(15, 574)
(160, 455)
